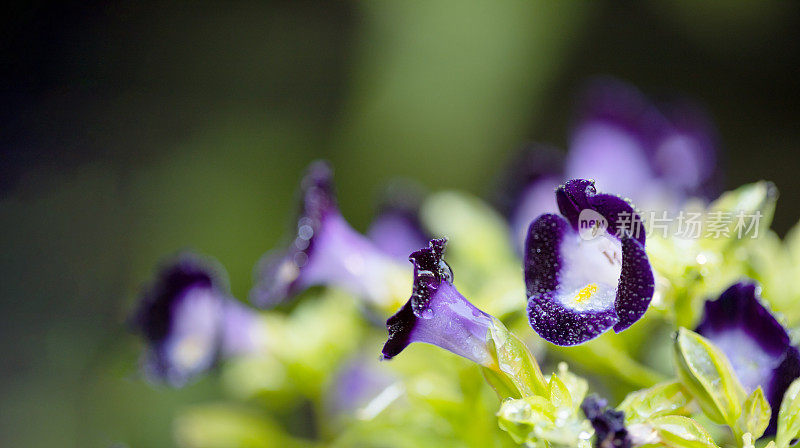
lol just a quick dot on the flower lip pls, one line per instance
(180, 317)
(757, 345)
(577, 288)
(436, 313)
(154, 316)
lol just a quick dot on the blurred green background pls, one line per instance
(134, 129)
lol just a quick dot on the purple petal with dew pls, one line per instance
(437, 313)
(636, 284)
(567, 303)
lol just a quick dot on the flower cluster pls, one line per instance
(571, 260)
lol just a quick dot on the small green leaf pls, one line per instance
(536, 422)
(513, 359)
(558, 393)
(708, 376)
(675, 431)
(756, 199)
(577, 386)
(669, 398)
(755, 414)
(789, 415)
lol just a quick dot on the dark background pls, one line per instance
(133, 129)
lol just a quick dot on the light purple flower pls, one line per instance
(325, 251)
(190, 321)
(655, 156)
(756, 344)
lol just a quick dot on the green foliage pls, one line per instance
(669, 398)
(789, 416)
(708, 376)
(755, 414)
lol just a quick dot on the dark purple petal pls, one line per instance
(636, 284)
(544, 268)
(757, 345)
(325, 251)
(608, 423)
(577, 195)
(621, 216)
(397, 229)
(573, 197)
(437, 313)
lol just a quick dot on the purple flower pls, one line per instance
(437, 313)
(582, 283)
(397, 230)
(325, 251)
(608, 424)
(756, 344)
(190, 321)
(655, 156)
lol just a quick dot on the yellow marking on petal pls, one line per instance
(586, 293)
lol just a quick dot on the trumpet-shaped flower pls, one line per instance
(190, 321)
(756, 344)
(326, 251)
(586, 271)
(437, 313)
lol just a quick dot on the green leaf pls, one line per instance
(708, 376)
(789, 415)
(535, 421)
(558, 393)
(514, 360)
(669, 398)
(755, 414)
(758, 198)
(675, 431)
(577, 386)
